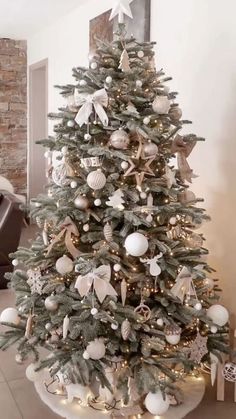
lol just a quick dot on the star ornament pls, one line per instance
(198, 348)
(139, 168)
(121, 8)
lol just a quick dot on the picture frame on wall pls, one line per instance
(100, 27)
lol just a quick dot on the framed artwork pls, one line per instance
(139, 26)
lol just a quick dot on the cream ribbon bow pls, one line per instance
(68, 228)
(97, 100)
(99, 278)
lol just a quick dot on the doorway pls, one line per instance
(38, 127)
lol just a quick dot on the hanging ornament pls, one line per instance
(170, 177)
(121, 8)
(87, 137)
(82, 83)
(96, 349)
(218, 314)
(160, 322)
(150, 150)
(96, 180)
(175, 232)
(10, 315)
(90, 162)
(184, 286)
(123, 291)
(140, 54)
(175, 113)
(70, 123)
(96, 101)
(99, 278)
(117, 267)
(64, 265)
(61, 173)
(81, 202)
(116, 200)
(125, 329)
(108, 79)
(119, 139)
(161, 105)
(155, 269)
(94, 65)
(143, 311)
(198, 348)
(183, 150)
(124, 62)
(124, 165)
(66, 323)
(19, 359)
(155, 403)
(146, 120)
(68, 230)
(108, 232)
(229, 372)
(136, 244)
(97, 202)
(172, 334)
(29, 326)
(51, 303)
(186, 197)
(194, 241)
(35, 281)
(214, 365)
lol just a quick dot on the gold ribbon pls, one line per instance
(183, 150)
(68, 228)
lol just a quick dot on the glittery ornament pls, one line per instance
(198, 348)
(35, 281)
(64, 265)
(60, 174)
(125, 329)
(119, 139)
(96, 180)
(150, 150)
(108, 232)
(161, 105)
(175, 113)
(229, 372)
(172, 334)
(186, 197)
(96, 349)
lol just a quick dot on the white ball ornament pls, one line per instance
(96, 349)
(94, 311)
(97, 202)
(82, 83)
(198, 306)
(86, 227)
(119, 139)
(160, 322)
(86, 355)
(93, 65)
(64, 265)
(87, 137)
(136, 244)
(117, 267)
(73, 184)
(15, 262)
(218, 314)
(18, 359)
(51, 304)
(37, 204)
(161, 105)
(124, 165)
(139, 83)
(173, 339)
(214, 329)
(146, 120)
(70, 124)
(33, 375)
(114, 326)
(143, 195)
(10, 315)
(108, 79)
(47, 154)
(156, 404)
(140, 54)
(173, 220)
(96, 180)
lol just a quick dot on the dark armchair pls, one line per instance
(11, 221)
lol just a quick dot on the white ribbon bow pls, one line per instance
(97, 100)
(184, 286)
(99, 279)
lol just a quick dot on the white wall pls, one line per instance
(196, 46)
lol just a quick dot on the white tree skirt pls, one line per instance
(193, 389)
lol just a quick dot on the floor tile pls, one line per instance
(8, 406)
(28, 401)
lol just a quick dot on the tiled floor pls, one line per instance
(19, 400)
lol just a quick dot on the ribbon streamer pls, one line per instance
(183, 150)
(97, 100)
(99, 279)
(184, 286)
(68, 228)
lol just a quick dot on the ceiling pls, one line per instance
(19, 19)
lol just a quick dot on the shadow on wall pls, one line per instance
(222, 229)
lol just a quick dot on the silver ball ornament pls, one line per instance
(150, 150)
(117, 267)
(124, 165)
(93, 65)
(86, 227)
(198, 306)
(96, 180)
(81, 202)
(51, 304)
(139, 83)
(94, 311)
(97, 202)
(173, 220)
(48, 326)
(140, 54)
(146, 120)
(213, 329)
(119, 139)
(114, 326)
(15, 262)
(160, 322)
(87, 137)
(108, 79)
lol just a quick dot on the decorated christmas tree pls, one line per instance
(116, 285)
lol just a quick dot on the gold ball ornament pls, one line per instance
(96, 180)
(161, 105)
(150, 150)
(81, 202)
(119, 139)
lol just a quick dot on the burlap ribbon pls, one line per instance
(96, 101)
(68, 228)
(183, 150)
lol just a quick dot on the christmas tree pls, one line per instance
(117, 286)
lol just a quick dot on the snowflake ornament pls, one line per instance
(34, 281)
(198, 348)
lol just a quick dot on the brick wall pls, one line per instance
(13, 112)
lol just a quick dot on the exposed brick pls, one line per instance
(4, 106)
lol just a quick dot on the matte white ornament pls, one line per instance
(93, 65)
(117, 267)
(37, 204)
(198, 306)
(125, 329)
(96, 180)
(218, 314)
(65, 327)
(116, 200)
(47, 154)
(139, 83)
(87, 137)
(172, 220)
(214, 364)
(86, 355)
(119, 139)
(124, 165)
(10, 315)
(213, 329)
(86, 227)
(143, 195)
(70, 124)
(136, 244)
(97, 202)
(18, 359)
(77, 391)
(33, 375)
(140, 54)
(64, 150)
(96, 349)
(94, 311)
(64, 265)
(114, 326)
(15, 262)
(160, 322)
(161, 105)
(73, 184)
(173, 339)
(108, 79)
(156, 404)
(82, 83)
(51, 304)
(81, 202)
(146, 120)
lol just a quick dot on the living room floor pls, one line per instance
(19, 400)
